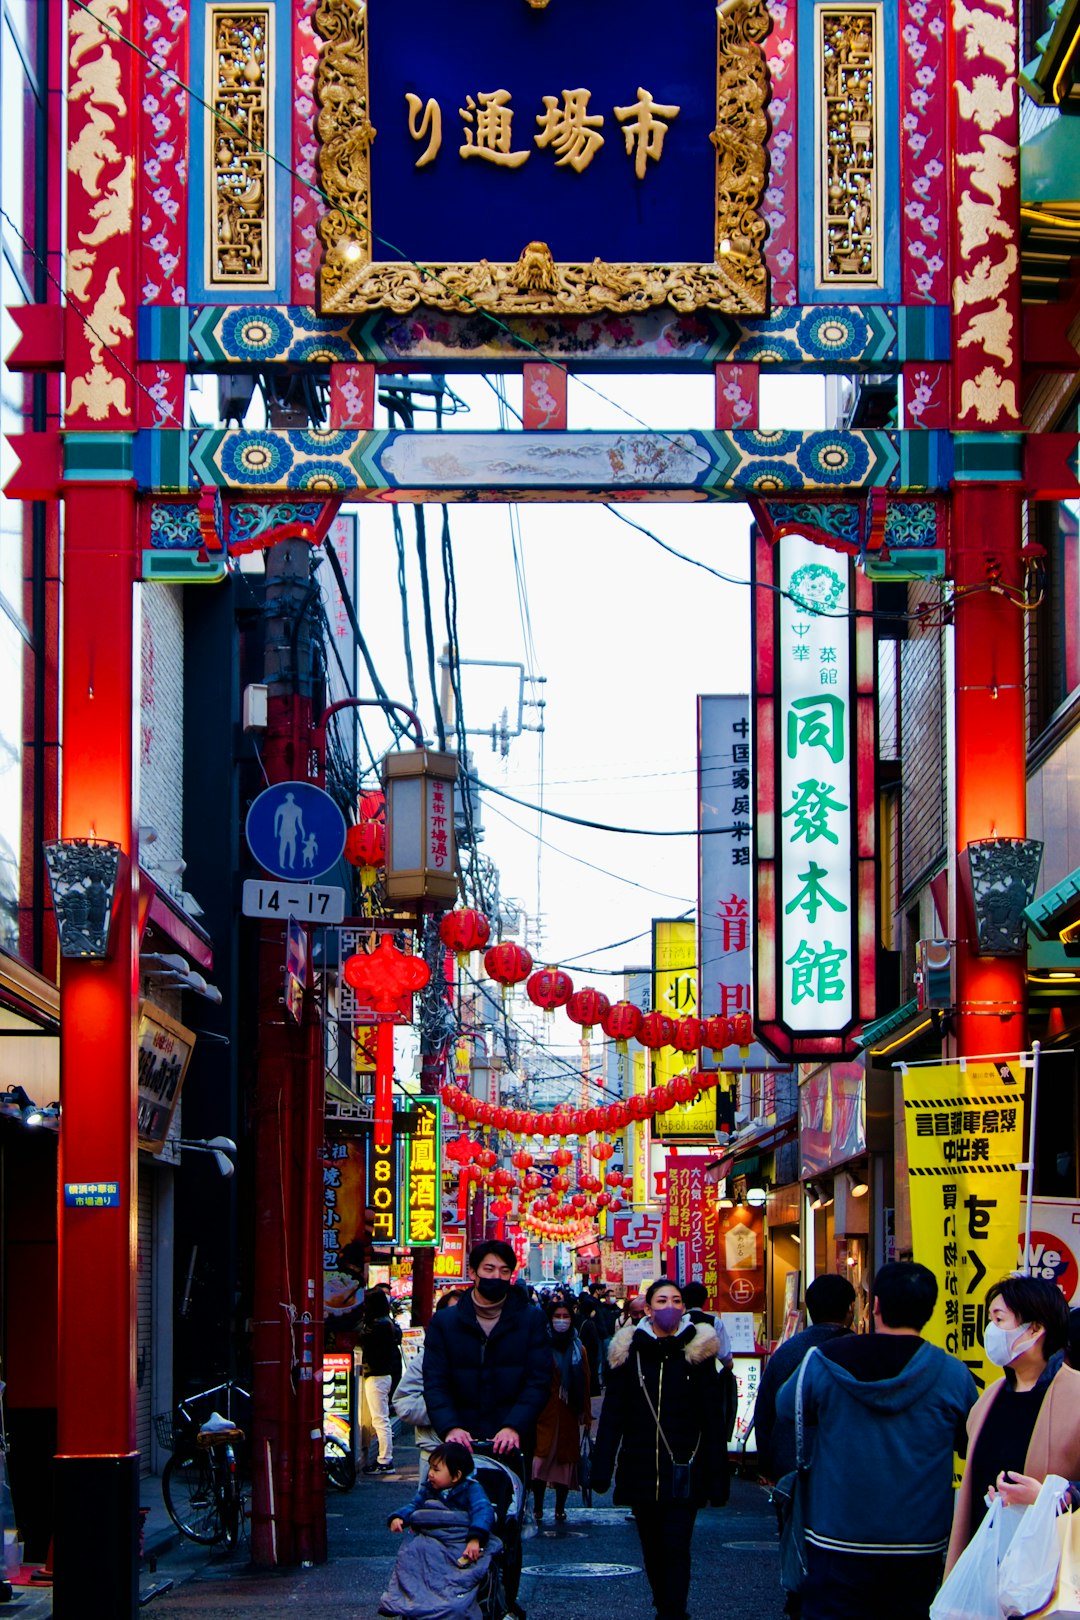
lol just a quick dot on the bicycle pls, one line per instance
(200, 1482)
(337, 1452)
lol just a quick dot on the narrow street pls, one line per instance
(589, 1569)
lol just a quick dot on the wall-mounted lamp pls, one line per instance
(14, 1103)
(46, 1118)
(858, 1185)
(173, 973)
(421, 858)
(757, 1196)
(84, 876)
(220, 1146)
(998, 876)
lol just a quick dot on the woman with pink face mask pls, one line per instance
(662, 1435)
(1027, 1424)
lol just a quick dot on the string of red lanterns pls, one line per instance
(565, 1121)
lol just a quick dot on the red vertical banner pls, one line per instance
(163, 172)
(985, 216)
(741, 1260)
(780, 207)
(710, 1236)
(924, 158)
(99, 341)
(686, 1193)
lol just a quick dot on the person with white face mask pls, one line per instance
(1027, 1424)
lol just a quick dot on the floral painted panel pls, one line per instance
(780, 207)
(163, 138)
(924, 91)
(306, 209)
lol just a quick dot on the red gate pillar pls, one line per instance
(97, 1466)
(991, 745)
(97, 1470)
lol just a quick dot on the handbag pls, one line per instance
(789, 1498)
(680, 1472)
(1064, 1602)
(584, 1471)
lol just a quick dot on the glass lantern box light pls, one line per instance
(421, 855)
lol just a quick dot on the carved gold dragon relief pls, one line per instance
(352, 279)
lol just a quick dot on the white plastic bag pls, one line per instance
(970, 1590)
(1029, 1569)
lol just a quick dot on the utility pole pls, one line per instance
(288, 1505)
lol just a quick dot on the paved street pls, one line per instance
(587, 1570)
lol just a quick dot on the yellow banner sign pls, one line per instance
(964, 1141)
(675, 993)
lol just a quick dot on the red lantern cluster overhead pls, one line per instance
(550, 988)
(587, 1008)
(507, 963)
(621, 1023)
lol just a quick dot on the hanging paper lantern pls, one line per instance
(603, 1200)
(637, 1108)
(615, 1205)
(620, 1116)
(365, 847)
(470, 1107)
(463, 931)
(507, 963)
(603, 1151)
(487, 1158)
(706, 1079)
(381, 978)
(621, 1023)
(587, 1007)
(614, 1178)
(372, 805)
(501, 1206)
(578, 1200)
(682, 1088)
(485, 1114)
(742, 1029)
(532, 1182)
(716, 1032)
(686, 1034)
(655, 1031)
(502, 1179)
(562, 1156)
(521, 1160)
(627, 1182)
(549, 988)
(589, 1183)
(560, 1183)
(662, 1099)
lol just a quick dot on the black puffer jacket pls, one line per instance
(380, 1343)
(486, 1382)
(681, 1377)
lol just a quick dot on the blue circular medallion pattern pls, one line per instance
(319, 475)
(256, 458)
(833, 335)
(325, 347)
(258, 333)
(764, 476)
(828, 458)
(331, 443)
(771, 443)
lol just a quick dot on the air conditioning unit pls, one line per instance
(935, 973)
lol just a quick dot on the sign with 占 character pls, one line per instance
(423, 1175)
(814, 946)
(965, 1142)
(534, 158)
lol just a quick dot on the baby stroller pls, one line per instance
(504, 1484)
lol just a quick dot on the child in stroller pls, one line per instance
(439, 1571)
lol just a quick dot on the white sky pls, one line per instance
(627, 637)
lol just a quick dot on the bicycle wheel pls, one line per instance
(191, 1500)
(340, 1464)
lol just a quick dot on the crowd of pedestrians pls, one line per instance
(860, 1429)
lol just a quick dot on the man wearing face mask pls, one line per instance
(487, 1363)
(1027, 1424)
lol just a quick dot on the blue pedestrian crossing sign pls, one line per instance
(295, 830)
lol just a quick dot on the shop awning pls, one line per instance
(159, 911)
(1056, 910)
(761, 1142)
(29, 1031)
(909, 1025)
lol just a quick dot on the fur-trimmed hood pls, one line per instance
(697, 1346)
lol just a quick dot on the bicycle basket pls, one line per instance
(165, 1426)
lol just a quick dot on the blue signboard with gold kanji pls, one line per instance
(529, 157)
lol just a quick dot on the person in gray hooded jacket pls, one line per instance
(883, 1414)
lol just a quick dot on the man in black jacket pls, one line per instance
(487, 1364)
(830, 1305)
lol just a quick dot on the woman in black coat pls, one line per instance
(662, 1418)
(380, 1341)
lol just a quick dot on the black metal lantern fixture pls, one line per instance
(999, 877)
(84, 875)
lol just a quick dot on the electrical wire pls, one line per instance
(606, 826)
(429, 630)
(646, 888)
(403, 593)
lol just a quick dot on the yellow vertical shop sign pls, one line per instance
(965, 1142)
(675, 993)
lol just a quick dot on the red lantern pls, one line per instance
(587, 1007)
(742, 1029)
(532, 1182)
(487, 1158)
(663, 1099)
(706, 1079)
(621, 1023)
(507, 963)
(381, 978)
(628, 1182)
(655, 1031)
(521, 1160)
(578, 1200)
(603, 1200)
(686, 1034)
(562, 1156)
(470, 1107)
(463, 931)
(716, 1033)
(550, 988)
(485, 1114)
(501, 1206)
(502, 1179)
(620, 1116)
(603, 1151)
(372, 805)
(637, 1108)
(560, 1183)
(615, 1205)
(365, 847)
(682, 1088)
(592, 1119)
(614, 1178)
